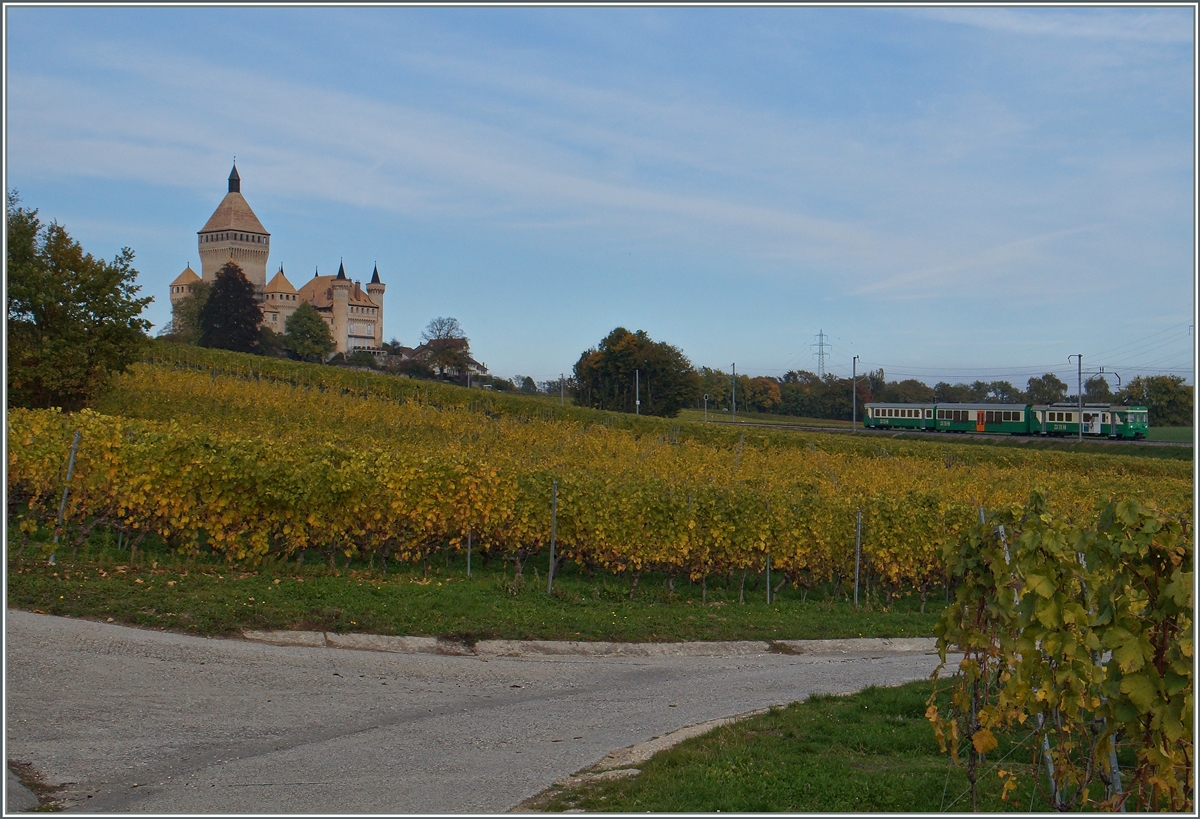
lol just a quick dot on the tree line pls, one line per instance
(626, 367)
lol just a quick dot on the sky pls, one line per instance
(950, 194)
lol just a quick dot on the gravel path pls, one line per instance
(133, 720)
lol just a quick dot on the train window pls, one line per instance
(929, 413)
(941, 415)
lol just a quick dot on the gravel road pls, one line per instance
(133, 720)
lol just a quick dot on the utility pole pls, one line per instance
(734, 392)
(821, 345)
(562, 388)
(854, 394)
(706, 408)
(637, 386)
(1080, 425)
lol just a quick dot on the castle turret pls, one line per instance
(233, 233)
(375, 290)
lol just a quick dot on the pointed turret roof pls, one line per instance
(234, 212)
(279, 284)
(341, 272)
(188, 276)
(375, 275)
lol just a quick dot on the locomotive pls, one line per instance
(1097, 420)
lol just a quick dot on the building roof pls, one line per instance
(375, 276)
(233, 213)
(188, 276)
(279, 284)
(319, 291)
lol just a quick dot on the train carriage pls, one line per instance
(1107, 420)
(1008, 419)
(898, 416)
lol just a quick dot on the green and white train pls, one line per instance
(1098, 420)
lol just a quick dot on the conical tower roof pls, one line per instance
(188, 276)
(375, 276)
(234, 212)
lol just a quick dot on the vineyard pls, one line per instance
(252, 457)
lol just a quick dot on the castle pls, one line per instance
(233, 233)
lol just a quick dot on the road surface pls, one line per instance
(134, 720)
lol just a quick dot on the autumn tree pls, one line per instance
(73, 320)
(230, 317)
(608, 376)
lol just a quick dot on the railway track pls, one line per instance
(948, 436)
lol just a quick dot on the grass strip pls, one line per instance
(205, 595)
(873, 751)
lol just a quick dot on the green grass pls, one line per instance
(869, 752)
(1170, 434)
(760, 418)
(207, 596)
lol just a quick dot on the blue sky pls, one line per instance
(949, 194)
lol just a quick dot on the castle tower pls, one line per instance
(341, 309)
(234, 233)
(280, 300)
(375, 290)
(183, 285)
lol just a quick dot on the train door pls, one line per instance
(1091, 423)
(979, 416)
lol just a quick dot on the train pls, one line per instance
(1097, 420)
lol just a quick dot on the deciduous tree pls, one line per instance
(1048, 389)
(609, 376)
(307, 334)
(1168, 400)
(230, 317)
(73, 320)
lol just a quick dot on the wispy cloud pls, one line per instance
(1140, 25)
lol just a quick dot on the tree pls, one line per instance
(1167, 399)
(272, 344)
(451, 355)
(1096, 390)
(1048, 389)
(525, 384)
(184, 326)
(443, 327)
(307, 335)
(448, 347)
(361, 358)
(627, 366)
(230, 317)
(762, 393)
(73, 320)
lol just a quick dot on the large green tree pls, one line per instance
(307, 334)
(73, 320)
(1096, 390)
(608, 376)
(1167, 399)
(230, 317)
(1048, 389)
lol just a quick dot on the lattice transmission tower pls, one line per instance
(821, 345)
